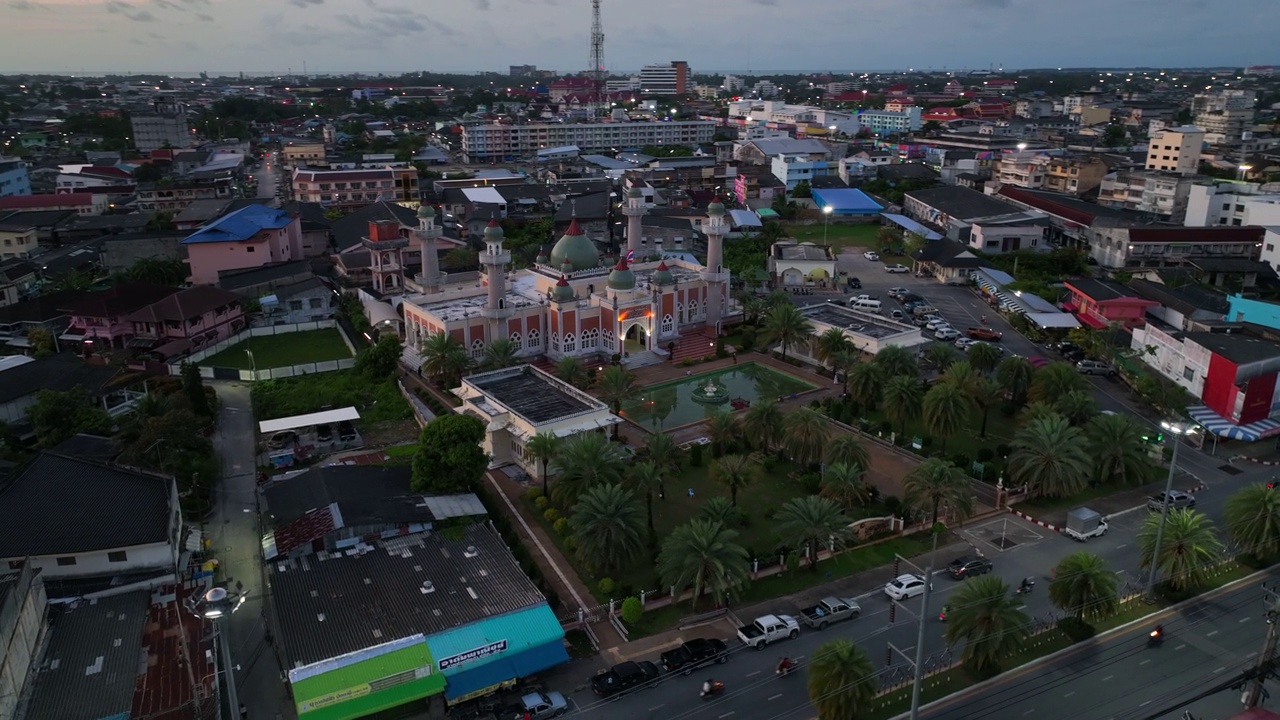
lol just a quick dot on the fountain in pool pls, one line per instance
(710, 393)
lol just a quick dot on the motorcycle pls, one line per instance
(1156, 636)
(711, 688)
(942, 616)
(1025, 587)
(785, 667)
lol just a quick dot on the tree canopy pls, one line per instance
(449, 458)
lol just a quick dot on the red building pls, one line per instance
(1100, 303)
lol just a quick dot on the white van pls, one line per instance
(866, 304)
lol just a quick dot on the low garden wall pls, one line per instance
(268, 373)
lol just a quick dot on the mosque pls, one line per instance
(573, 301)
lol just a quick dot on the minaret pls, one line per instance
(495, 259)
(427, 233)
(716, 277)
(634, 210)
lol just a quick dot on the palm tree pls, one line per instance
(805, 433)
(1015, 375)
(1118, 450)
(584, 461)
(616, 385)
(1037, 411)
(845, 484)
(842, 681)
(786, 327)
(735, 472)
(811, 522)
(571, 370)
(937, 483)
(1083, 585)
(986, 618)
(939, 356)
(841, 363)
(1051, 458)
(896, 360)
(984, 357)
(987, 393)
(1253, 520)
(720, 509)
(947, 408)
(831, 343)
(1055, 380)
(1188, 547)
(866, 383)
(606, 524)
(722, 426)
(776, 299)
(1076, 406)
(500, 353)
(903, 395)
(762, 423)
(444, 358)
(702, 554)
(752, 308)
(645, 477)
(663, 451)
(543, 447)
(849, 449)
(962, 375)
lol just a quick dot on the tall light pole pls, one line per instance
(1243, 170)
(1176, 429)
(826, 220)
(218, 604)
(938, 529)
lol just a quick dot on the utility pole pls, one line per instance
(1254, 691)
(924, 616)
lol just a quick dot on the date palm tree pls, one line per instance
(722, 426)
(1253, 520)
(787, 328)
(939, 356)
(762, 423)
(841, 363)
(703, 555)
(665, 453)
(543, 447)
(987, 394)
(866, 383)
(1055, 380)
(572, 371)
(616, 385)
(1084, 586)
(903, 395)
(896, 360)
(986, 618)
(719, 509)
(984, 357)
(735, 472)
(805, 433)
(962, 375)
(1015, 375)
(1188, 547)
(444, 359)
(606, 525)
(1051, 458)
(845, 484)
(500, 353)
(937, 483)
(1037, 411)
(1077, 406)
(584, 461)
(947, 408)
(646, 477)
(831, 343)
(811, 522)
(1118, 450)
(842, 681)
(849, 449)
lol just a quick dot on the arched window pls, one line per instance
(680, 316)
(590, 339)
(555, 341)
(570, 343)
(535, 339)
(477, 348)
(515, 340)
(609, 341)
(668, 325)
(693, 310)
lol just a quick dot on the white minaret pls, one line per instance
(495, 259)
(716, 277)
(427, 233)
(634, 210)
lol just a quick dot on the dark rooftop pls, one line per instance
(961, 203)
(860, 323)
(948, 253)
(1231, 265)
(1186, 299)
(529, 395)
(330, 604)
(365, 495)
(1238, 347)
(267, 274)
(61, 372)
(36, 218)
(91, 663)
(352, 229)
(119, 300)
(1100, 289)
(89, 447)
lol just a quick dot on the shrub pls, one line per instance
(962, 461)
(1076, 629)
(551, 514)
(748, 338)
(985, 455)
(541, 502)
(561, 527)
(687, 362)
(708, 357)
(811, 483)
(886, 427)
(695, 455)
(1003, 450)
(892, 505)
(533, 493)
(720, 351)
(632, 610)
(615, 358)
(605, 586)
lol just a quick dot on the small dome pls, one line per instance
(716, 207)
(563, 291)
(663, 276)
(634, 192)
(566, 267)
(542, 258)
(622, 278)
(575, 248)
(426, 211)
(493, 232)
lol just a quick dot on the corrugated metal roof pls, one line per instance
(241, 225)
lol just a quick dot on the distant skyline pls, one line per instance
(760, 36)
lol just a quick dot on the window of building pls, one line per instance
(1226, 206)
(250, 249)
(64, 561)
(1271, 247)
(117, 556)
(316, 303)
(535, 339)
(295, 305)
(570, 343)
(1239, 208)
(1189, 374)
(16, 564)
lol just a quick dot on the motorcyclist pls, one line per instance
(709, 686)
(1158, 632)
(785, 665)
(1025, 586)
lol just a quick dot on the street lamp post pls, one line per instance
(218, 604)
(918, 678)
(1176, 429)
(1244, 169)
(253, 364)
(826, 220)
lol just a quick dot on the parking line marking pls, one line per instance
(1180, 646)
(726, 715)
(1107, 678)
(1028, 712)
(1244, 620)
(799, 658)
(1122, 546)
(1215, 672)
(1145, 704)
(1211, 634)
(1144, 662)
(775, 697)
(754, 673)
(1073, 692)
(656, 707)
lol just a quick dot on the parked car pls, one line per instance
(897, 292)
(872, 256)
(1094, 367)
(904, 587)
(964, 343)
(282, 440)
(324, 433)
(967, 565)
(1177, 500)
(897, 315)
(623, 677)
(937, 324)
(899, 268)
(768, 629)
(982, 333)
(346, 431)
(539, 706)
(853, 283)
(694, 654)
(946, 333)
(830, 610)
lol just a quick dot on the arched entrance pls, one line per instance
(635, 337)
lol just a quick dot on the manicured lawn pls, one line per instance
(273, 351)
(1000, 430)
(838, 235)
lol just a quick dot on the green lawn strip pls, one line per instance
(663, 619)
(377, 401)
(400, 451)
(1000, 431)
(1043, 506)
(856, 560)
(837, 235)
(276, 351)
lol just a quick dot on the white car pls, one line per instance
(964, 343)
(946, 334)
(936, 325)
(897, 292)
(897, 268)
(871, 255)
(904, 586)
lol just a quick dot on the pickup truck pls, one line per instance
(623, 677)
(768, 629)
(1177, 500)
(694, 654)
(982, 333)
(538, 706)
(830, 610)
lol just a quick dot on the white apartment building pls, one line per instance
(1231, 204)
(1149, 191)
(764, 88)
(1176, 150)
(794, 168)
(1225, 126)
(887, 121)
(165, 126)
(767, 111)
(481, 143)
(1022, 169)
(671, 78)
(733, 83)
(344, 187)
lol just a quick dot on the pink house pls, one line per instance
(250, 237)
(1100, 303)
(187, 320)
(100, 320)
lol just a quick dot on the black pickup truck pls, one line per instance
(623, 677)
(694, 654)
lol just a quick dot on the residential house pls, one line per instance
(1253, 311)
(793, 169)
(355, 188)
(1164, 247)
(45, 311)
(70, 517)
(99, 320)
(24, 377)
(300, 302)
(186, 321)
(17, 241)
(83, 203)
(122, 251)
(1152, 192)
(253, 236)
(17, 277)
(1176, 150)
(256, 282)
(22, 634)
(796, 264)
(1182, 307)
(762, 152)
(1077, 175)
(1076, 223)
(170, 198)
(947, 260)
(1233, 273)
(1102, 303)
(14, 179)
(315, 227)
(976, 219)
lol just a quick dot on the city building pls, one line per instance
(17, 280)
(1235, 204)
(1102, 303)
(304, 154)
(796, 264)
(505, 143)
(1225, 115)
(1176, 150)
(252, 236)
(14, 179)
(24, 377)
(83, 203)
(868, 332)
(670, 79)
(100, 319)
(1076, 175)
(793, 169)
(298, 302)
(1154, 192)
(522, 70)
(17, 241)
(1021, 168)
(355, 188)
(173, 199)
(164, 126)
(1165, 247)
(186, 321)
(886, 122)
(1185, 307)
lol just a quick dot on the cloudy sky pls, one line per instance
(260, 36)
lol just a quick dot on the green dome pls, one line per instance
(634, 192)
(575, 248)
(566, 267)
(622, 278)
(716, 207)
(663, 276)
(542, 258)
(493, 232)
(426, 211)
(563, 291)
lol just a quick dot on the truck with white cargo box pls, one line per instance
(1083, 523)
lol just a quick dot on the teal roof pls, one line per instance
(621, 278)
(522, 630)
(426, 211)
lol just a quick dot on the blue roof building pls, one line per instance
(241, 225)
(846, 201)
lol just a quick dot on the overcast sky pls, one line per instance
(332, 36)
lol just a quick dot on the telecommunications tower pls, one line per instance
(597, 60)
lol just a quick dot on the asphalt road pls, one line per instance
(268, 177)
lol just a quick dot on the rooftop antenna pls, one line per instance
(597, 59)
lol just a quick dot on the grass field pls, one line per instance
(841, 237)
(273, 351)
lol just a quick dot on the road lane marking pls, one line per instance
(1144, 662)
(1022, 607)
(1028, 712)
(1145, 704)
(656, 707)
(1180, 646)
(722, 717)
(799, 658)
(775, 697)
(1215, 672)
(1215, 632)
(1073, 692)
(1255, 652)
(1244, 620)
(1107, 678)
(754, 673)
(1122, 546)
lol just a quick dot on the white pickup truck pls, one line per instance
(768, 629)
